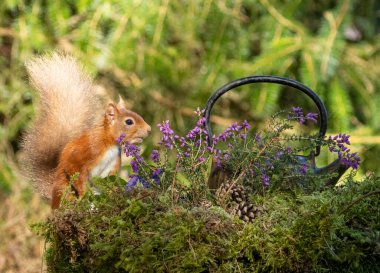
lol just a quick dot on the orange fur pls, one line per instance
(71, 135)
(82, 154)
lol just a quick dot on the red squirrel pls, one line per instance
(72, 133)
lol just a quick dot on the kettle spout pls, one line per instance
(335, 167)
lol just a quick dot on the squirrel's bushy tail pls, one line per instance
(67, 107)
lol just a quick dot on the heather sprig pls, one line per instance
(134, 182)
(143, 174)
(262, 160)
(296, 113)
(134, 151)
(338, 144)
(266, 161)
(191, 155)
(120, 138)
(155, 156)
(194, 145)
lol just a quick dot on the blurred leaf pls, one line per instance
(341, 113)
(6, 176)
(186, 50)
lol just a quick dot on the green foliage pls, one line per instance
(6, 175)
(335, 230)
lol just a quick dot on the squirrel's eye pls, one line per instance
(129, 121)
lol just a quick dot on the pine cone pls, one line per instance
(222, 194)
(247, 211)
(238, 194)
(240, 204)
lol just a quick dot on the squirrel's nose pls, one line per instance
(148, 128)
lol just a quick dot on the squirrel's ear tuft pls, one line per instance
(121, 104)
(111, 113)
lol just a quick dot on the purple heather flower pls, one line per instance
(134, 152)
(133, 182)
(298, 114)
(342, 138)
(193, 133)
(257, 138)
(182, 141)
(297, 111)
(348, 159)
(167, 134)
(226, 156)
(265, 180)
(131, 150)
(337, 145)
(135, 166)
(156, 175)
(218, 161)
(222, 137)
(201, 122)
(234, 127)
(155, 156)
(165, 128)
(354, 161)
(304, 168)
(278, 155)
(230, 131)
(120, 138)
(312, 117)
(202, 159)
(245, 125)
(288, 150)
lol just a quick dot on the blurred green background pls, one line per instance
(167, 57)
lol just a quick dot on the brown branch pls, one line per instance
(7, 32)
(358, 200)
(174, 179)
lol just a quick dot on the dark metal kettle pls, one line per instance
(220, 175)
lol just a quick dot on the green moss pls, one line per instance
(144, 231)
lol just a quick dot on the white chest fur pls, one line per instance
(107, 163)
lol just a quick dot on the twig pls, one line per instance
(7, 32)
(231, 186)
(358, 200)
(173, 180)
(267, 144)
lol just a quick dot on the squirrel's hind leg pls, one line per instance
(61, 189)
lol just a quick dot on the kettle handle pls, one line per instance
(267, 79)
